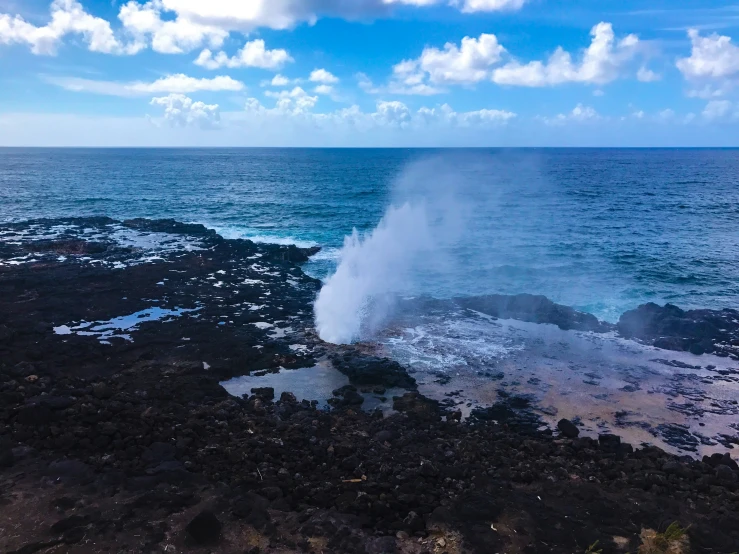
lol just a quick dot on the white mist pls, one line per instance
(375, 268)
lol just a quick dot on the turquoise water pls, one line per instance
(602, 230)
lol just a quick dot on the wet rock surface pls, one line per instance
(535, 309)
(129, 443)
(696, 331)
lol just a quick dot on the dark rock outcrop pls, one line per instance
(371, 370)
(568, 429)
(535, 309)
(671, 328)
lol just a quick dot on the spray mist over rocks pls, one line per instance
(425, 217)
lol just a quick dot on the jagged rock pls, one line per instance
(536, 309)
(568, 429)
(204, 528)
(669, 327)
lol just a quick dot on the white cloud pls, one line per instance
(392, 114)
(579, 114)
(324, 89)
(468, 63)
(717, 109)
(279, 81)
(712, 57)
(323, 76)
(470, 6)
(481, 118)
(68, 17)
(646, 75)
(709, 91)
(171, 36)
(388, 114)
(247, 15)
(253, 54)
(602, 62)
(180, 110)
(599, 92)
(178, 26)
(178, 84)
(293, 102)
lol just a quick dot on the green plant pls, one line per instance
(673, 540)
(592, 549)
(673, 533)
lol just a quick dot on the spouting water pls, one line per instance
(424, 218)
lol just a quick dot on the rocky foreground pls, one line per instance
(116, 435)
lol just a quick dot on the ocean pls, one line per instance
(602, 230)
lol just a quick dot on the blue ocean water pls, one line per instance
(601, 230)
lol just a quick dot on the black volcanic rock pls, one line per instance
(205, 528)
(568, 429)
(534, 309)
(371, 370)
(671, 328)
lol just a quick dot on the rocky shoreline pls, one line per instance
(117, 436)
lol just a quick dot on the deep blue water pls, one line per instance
(602, 230)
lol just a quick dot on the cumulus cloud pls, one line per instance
(171, 36)
(247, 15)
(711, 57)
(323, 76)
(466, 63)
(717, 110)
(471, 6)
(177, 84)
(180, 110)
(579, 114)
(324, 89)
(68, 17)
(602, 62)
(178, 26)
(253, 54)
(387, 114)
(646, 75)
(293, 102)
(446, 114)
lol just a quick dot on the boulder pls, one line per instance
(568, 429)
(205, 528)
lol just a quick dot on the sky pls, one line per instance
(376, 73)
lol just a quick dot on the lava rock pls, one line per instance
(101, 391)
(535, 309)
(64, 525)
(265, 393)
(7, 457)
(568, 429)
(669, 327)
(370, 370)
(725, 474)
(205, 528)
(609, 441)
(416, 405)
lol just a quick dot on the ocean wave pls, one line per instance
(229, 232)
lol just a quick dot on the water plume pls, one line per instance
(424, 217)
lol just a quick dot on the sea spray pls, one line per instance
(356, 299)
(411, 239)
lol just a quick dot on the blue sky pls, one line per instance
(369, 73)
